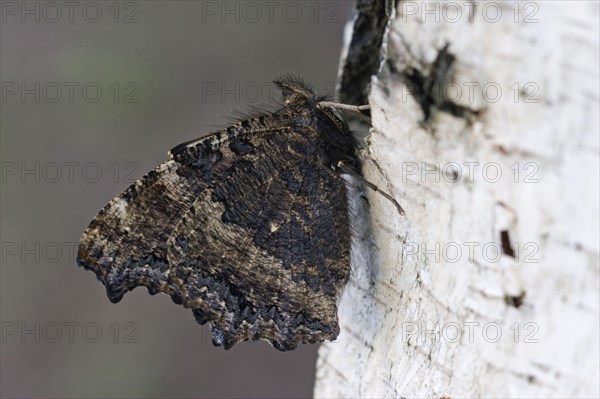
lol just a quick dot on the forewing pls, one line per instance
(248, 228)
(264, 250)
(125, 245)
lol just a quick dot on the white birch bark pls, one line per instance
(420, 320)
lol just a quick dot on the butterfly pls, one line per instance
(248, 226)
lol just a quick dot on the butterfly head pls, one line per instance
(303, 104)
(295, 90)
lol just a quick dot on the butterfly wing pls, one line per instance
(247, 227)
(264, 251)
(125, 244)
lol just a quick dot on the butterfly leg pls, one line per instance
(347, 168)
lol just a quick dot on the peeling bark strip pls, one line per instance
(486, 130)
(363, 57)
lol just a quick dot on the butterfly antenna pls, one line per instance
(347, 107)
(345, 168)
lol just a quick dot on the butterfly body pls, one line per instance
(249, 226)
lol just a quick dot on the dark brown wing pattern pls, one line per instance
(248, 227)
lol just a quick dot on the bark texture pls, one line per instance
(489, 285)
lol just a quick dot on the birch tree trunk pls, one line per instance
(486, 129)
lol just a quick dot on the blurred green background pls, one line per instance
(93, 96)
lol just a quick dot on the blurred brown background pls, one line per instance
(93, 96)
